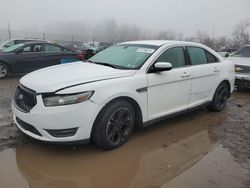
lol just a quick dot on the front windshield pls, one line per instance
(12, 48)
(126, 56)
(243, 52)
(2, 43)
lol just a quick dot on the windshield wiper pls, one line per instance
(89, 61)
(109, 65)
(105, 64)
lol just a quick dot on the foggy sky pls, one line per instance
(185, 16)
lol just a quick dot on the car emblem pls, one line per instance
(20, 97)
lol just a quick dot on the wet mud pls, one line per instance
(198, 149)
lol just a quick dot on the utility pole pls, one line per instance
(9, 30)
(213, 31)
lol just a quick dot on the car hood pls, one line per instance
(245, 61)
(58, 77)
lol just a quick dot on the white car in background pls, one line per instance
(241, 59)
(126, 85)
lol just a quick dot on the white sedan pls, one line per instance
(128, 85)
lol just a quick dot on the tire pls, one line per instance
(4, 70)
(220, 97)
(114, 125)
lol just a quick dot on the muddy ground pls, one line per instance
(198, 149)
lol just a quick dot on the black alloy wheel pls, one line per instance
(221, 95)
(119, 126)
(3, 70)
(114, 125)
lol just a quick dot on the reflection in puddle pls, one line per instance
(151, 158)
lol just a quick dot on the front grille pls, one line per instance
(28, 127)
(25, 99)
(243, 69)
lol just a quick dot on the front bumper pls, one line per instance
(242, 80)
(42, 121)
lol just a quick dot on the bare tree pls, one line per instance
(241, 33)
(166, 35)
(204, 38)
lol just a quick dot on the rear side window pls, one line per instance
(211, 58)
(197, 56)
(52, 48)
(175, 56)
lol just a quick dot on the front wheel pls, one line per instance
(221, 95)
(3, 70)
(114, 125)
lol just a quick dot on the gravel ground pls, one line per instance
(234, 133)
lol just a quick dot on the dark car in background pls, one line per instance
(27, 57)
(9, 43)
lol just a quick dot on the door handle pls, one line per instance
(185, 75)
(216, 69)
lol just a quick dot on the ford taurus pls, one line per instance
(128, 85)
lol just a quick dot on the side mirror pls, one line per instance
(227, 54)
(19, 51)
(162, 66)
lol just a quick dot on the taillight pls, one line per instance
(80, 56)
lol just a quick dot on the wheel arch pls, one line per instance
(133, 102)
(223, 81)
(8, 66)
(228, 84)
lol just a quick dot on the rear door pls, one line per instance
(205, 75)
(54, 55)
(51, 55)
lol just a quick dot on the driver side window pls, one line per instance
(27, 49)
(175, 56)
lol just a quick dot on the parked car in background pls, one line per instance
(27, 57)
(224, 54)
(241, 59)
(88, 51)
(126, 85)
(12, 42)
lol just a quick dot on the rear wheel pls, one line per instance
(114, 125)
(3, 70)
(221, 95)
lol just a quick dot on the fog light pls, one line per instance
(59, 133)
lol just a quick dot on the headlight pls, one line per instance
(66, 99)
(238, 69)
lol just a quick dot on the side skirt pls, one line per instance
(169, 116)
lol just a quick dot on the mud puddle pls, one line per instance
(216, 169)
(152, 158)
(7, 90)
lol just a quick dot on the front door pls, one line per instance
(28, 58)
(169, 91)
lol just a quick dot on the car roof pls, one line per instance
(28, 39)
(164, 42)
(39, 42)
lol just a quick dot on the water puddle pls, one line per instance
(153, 156)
